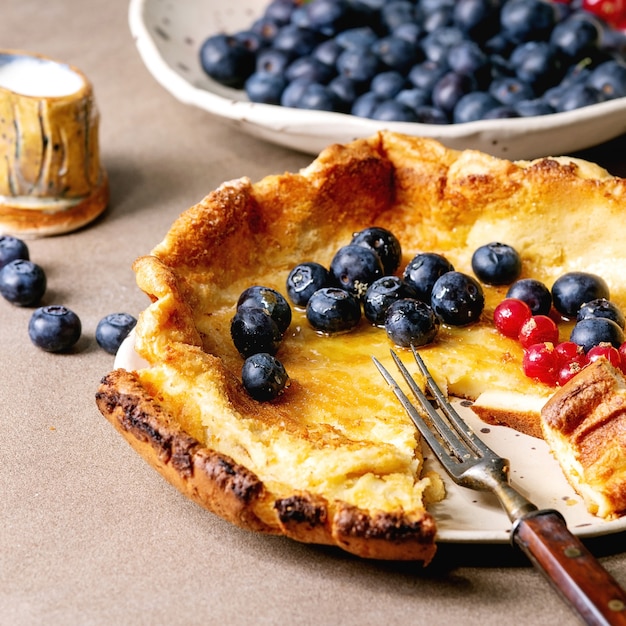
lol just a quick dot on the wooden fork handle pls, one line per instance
(573, 571)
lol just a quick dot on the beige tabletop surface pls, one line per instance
(89, 533)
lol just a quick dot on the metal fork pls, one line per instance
(542, 534)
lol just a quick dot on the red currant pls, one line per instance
(622, 353)
(538, 329)
(607, 351)
(611, 11)
(541, 363)
(568, 351)
(510, 315)
(572, 359)
(567, 371)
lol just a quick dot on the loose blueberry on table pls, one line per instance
(113, 329)
(12, 249)
(22, 282)
(54, 328)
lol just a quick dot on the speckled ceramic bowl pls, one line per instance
(169, 34)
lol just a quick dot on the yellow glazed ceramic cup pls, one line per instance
(51, 180)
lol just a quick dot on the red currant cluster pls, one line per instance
(613, 12)
(545, 358)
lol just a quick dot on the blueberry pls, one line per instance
(12, 249)
(344, 92)
(327, 16)
(388, 84)
(576, 36)
(266, 28)
(437, 43)
(358, 64)
(500, 112)
(450, 89)
(534, 293)
(279, 10)
(411, 322)
(424, 75)
(253, 330)
(437, 18)
(309, 68)
(496, 264)
(396, 13)
(578, 96)
(113, 329)
(316, 97)
(355, 267)
(365, 105)
(592, 331)
(272, 61)
(413, 98)
(409, 31)
(332, 310)
(395, 53)
(300, 18)
(602, 308)
(295, 40)
(609, 78)
(570, 291)
(359, 38)
(304, 280)
(511, 90)
(381, 294)
(393, 111)
(227, 60)
(523, 20)
(265, 87)
(473, 106)
(54, 328)
(477, 18)
(530, 108)
(423, 270)
(327, 52)
(384, 243)
(538, 64)
(426, 114)
(250, 39)
(457, 299)
(263, 376)
(22, 282)
(292, 94)
(271, 301)
(466, 57)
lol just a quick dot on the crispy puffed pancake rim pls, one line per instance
(334, 460)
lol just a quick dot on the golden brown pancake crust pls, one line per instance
(350, 467)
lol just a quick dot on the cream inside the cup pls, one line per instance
(31, 76)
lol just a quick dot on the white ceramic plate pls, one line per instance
(169, 34)
(467, 516)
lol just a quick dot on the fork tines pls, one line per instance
(454, 443)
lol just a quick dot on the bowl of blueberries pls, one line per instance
(518, 79)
